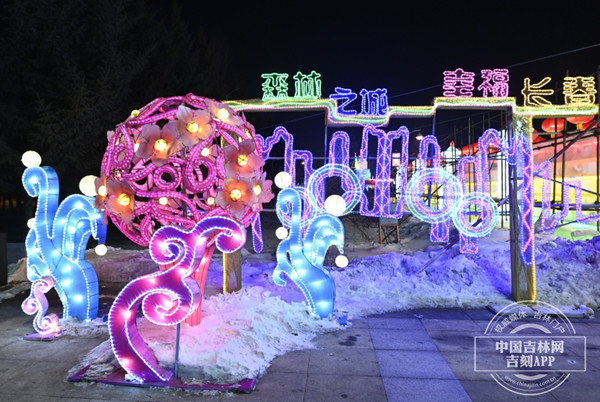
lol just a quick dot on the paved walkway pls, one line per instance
(420, 355)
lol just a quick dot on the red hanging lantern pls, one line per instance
(579, 121)
(553, 125)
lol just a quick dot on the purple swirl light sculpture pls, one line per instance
(169, 296)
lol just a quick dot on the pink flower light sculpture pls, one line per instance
(171, 159)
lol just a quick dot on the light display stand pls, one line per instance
(232, 272)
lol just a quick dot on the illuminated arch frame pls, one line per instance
(522, 125)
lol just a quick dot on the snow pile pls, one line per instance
(120, 265)
(392, 282)
(241, 333)
(568, 275)
(17, 280)
(569, 272)
(14, 290)
(99, 362)
(83, 329)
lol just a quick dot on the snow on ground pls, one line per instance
(242, 332)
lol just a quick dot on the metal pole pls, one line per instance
(176, 366)
(597, 169)
(597, 151)
(564, 154)
(3, 259)
(325, 141)
(513, 189)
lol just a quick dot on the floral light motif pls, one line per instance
(194, 125)
(158, 144)
(118, 199)
(224, 113)
(237, 195)
(242, 160)
(262, 190)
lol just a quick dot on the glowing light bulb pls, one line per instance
(341, 261)
(283, 180)
(102, 191)
(222, 114)
(31, 159)
(210, 200)
(134, 113)
(335, 205)
(136, 146)
(192, 127)
(31, 223)
(87, 187)
(281, 233)
(205, 152)
(163, 200)
(242, 160)
(160, 145)
(123, 199)
(101, 249)
(257, 189)
(235, 194)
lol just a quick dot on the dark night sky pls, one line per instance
(402, 47)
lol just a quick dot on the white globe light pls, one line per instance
(31, 223)
(101, 249)
(87, 185)
(335, 205)
(283, 180)
(341, 261)
(281, 233)
(31, 159)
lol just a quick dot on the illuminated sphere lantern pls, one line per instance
(182, 175)
(177, 160)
